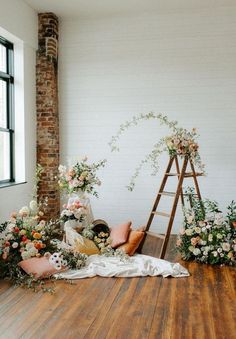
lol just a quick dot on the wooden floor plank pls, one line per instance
(200, 306)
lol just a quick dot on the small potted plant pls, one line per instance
(232, 213)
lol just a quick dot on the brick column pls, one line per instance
(47, 110)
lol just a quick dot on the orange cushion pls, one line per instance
(119, 234)
(39, 267)
(133, 242)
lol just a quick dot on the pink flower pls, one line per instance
(179, 242)
(194, 241)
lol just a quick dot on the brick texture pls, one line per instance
(47, 111)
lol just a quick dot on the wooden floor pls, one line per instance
(200, 306)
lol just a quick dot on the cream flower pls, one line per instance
(226, 246)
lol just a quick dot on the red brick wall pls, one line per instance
(47, 110)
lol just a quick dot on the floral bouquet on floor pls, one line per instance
(81, 177)
(26, 237)
(207, 236)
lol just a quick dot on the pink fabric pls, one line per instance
(119, 234)
(39, 267)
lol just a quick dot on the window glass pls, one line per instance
(3, 64)
(4, 156)
(3, 103)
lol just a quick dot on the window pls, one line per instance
(6, 112)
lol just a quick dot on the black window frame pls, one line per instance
(8, 77)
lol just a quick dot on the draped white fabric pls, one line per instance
(137, 266)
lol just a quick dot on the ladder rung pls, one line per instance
(171, 194)
(160, 236)
(162, 214)
(186, 175)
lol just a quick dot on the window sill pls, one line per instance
(10, 184)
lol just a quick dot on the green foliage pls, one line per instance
(181, 142)
(207, 236)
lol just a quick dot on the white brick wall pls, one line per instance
(179, 63)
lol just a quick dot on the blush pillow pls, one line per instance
(133, 242)
(119, 234)
(39, 267)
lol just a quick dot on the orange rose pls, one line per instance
(37, 235)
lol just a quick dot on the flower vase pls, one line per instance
(73, 223)
(84, 200)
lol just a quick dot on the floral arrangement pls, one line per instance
(81, 177)
(27, 235)
(181, 142)
(207, 236)
(99, 234)
(75, 211)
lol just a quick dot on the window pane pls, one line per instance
(3, 65)
(3, 104)
(4, 156)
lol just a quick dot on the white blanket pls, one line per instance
(137, 266)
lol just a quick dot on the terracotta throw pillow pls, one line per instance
(39, 267)
(119, 234)
(133, 242)
(86, 246)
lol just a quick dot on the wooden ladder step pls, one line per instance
(163, 214)
(170, 194)
(186, 175)
(156, 235)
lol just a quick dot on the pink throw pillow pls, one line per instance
(39, 267)
(119, 234)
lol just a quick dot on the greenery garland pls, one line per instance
(181, 142)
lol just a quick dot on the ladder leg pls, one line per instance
(178, 171)
(167, 236)
(156, 203)
(158, 195)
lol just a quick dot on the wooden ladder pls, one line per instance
(180, 174)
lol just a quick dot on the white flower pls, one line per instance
(29, 245)
(203, 242)
(197, 229)
(190, 219)
(11, 227)
(77, 215)
(25, 255)
(219, 218)
(9, 236)
(176, 141)
(219, 250)
(189, 231)
(33, 205)
(68, 213)
(204, 229)
(215, 254)
(196, 251)
(24, 210)
(62, 169)
(191, 248)
(33, 251)
(226, 246)
(15, 244)
(201, 223)
(210, 237)
(219, 236)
